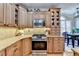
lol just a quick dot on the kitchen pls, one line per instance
(28, 29)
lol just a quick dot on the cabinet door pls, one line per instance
(58, 45)
(14, 50)
(2, 53)
(1, 14)
(27, 46)
(22, 17)
(12, 15)
(48, 19)
(50, 45)
(29, 19)
(9, 14)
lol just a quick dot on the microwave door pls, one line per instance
(38, 23)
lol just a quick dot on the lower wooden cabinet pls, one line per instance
(50, 45)
(27, 46)
(14, 50)
(55, 45)
(2, 53)
(58, 45)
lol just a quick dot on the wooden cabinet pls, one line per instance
(22, 18)
(38, 16)
(9, 14)
(29, 20)
(1, 14)
(55, 45)
(55, 21)
(55, 17)
(58, 45)
(27, 46)
(55, 31)
(48, 19)
(14, 50)
(50, 45)
(2, 53)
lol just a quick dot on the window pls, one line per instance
(65, 25)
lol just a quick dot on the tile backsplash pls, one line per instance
(6, 32)
(35, 30)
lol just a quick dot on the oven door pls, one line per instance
(39, 45)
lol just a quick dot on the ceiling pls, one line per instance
(66, 8)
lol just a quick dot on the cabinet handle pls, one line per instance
(15, 51)
(58, 39)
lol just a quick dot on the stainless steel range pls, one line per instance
(39, 42)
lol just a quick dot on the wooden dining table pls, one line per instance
(74, 37)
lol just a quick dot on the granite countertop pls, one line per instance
(9, 41)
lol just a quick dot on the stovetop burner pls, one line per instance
(39, 37)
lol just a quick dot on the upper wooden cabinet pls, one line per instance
(1, 14)
(55, 21)
(48, 19)
(55, 17)
(29, 19)
(9, 14)
(38, 15)
(22, 17)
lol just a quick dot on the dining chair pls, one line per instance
(68, 39)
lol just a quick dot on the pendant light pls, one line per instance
(77, 13)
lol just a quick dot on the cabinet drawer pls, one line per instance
(59, 39)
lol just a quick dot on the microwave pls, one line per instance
(38, 23)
